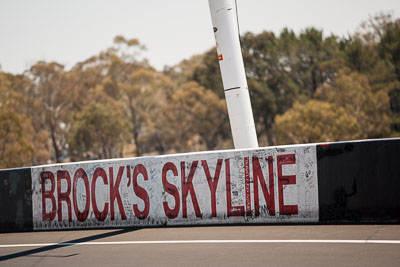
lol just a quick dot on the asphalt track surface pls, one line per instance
(289, 245)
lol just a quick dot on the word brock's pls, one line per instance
(61, 187)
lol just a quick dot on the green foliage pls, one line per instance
(353, 92)
(304, 87)
(144, 93)
(98, 132)
(190, 69)
(194, 118)
(50, 92)
(315, 121)
(346, 109)
(207, 73)
(16, 149)
(390, 46)
(284, 69)
(16, 144)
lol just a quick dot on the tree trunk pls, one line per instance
(269, 132)
(136, 139)
(314, 80)
(134, 127)
(54, 143)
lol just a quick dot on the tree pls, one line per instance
(191, 69)
(16, 144)
(143, 94)
(365, 59)
(194, 119)
(353, 92)
(99, 132)
(49, 88)
(315, 121)
(372, 30)
(390, 46)
(109, 68)
(314, 52)
(15, 149)
(207, 73)
(345, 109)
(272, 90)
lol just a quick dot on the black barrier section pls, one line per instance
(16, 200)
(359, 181)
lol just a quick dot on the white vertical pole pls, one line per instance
(233, 74)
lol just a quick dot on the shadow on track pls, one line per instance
(65, 244)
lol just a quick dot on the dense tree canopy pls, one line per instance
(304, 87)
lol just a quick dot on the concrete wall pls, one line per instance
(359, 181)
(273, 185)
(328, 183)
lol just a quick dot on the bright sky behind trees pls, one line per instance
(73, 30)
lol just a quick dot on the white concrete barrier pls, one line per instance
(266, 185)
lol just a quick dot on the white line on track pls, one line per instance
(299, 241)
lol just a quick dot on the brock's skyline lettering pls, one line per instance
(258, 186)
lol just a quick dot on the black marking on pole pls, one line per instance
(233, 88)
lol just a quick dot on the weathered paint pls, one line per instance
(358, 181)
(186, 189)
